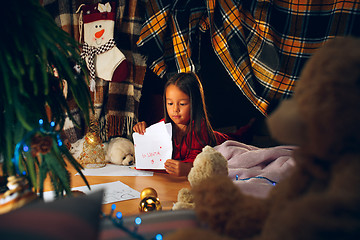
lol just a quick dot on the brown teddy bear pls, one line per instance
(320, 199)
(206, 164)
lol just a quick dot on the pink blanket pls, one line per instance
(256, 170)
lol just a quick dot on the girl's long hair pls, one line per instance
(190, 84)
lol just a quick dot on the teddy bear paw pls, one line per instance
(185, 200)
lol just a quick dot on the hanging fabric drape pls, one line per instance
(263, 45)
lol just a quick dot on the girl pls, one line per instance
(185, 109)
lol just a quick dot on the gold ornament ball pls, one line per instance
(149, 200)
(148, 192)
(92, 138)
(149, 204)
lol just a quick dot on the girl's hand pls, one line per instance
(140, 127)
(177, 168)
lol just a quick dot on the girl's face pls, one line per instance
(177, 105)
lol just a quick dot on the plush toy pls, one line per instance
(206, 164)
(120, 151)
(320, 198)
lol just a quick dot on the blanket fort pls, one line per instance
(154, 147)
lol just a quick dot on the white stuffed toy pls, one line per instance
(120, 151)
(206, 164)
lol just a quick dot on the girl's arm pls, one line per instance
(178, 168)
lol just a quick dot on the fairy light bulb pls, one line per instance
(138, 221)
(113, 207)
(25, 148)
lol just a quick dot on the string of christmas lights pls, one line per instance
(119, 223)
(258, 177)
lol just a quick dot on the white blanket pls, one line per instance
(256, 170)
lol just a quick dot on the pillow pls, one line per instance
(67, 218)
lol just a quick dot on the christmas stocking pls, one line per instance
(104, 60)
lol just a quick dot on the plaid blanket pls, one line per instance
(116, 103)
(263, 45)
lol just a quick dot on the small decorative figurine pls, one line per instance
(93, 153)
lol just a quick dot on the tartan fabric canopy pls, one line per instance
(263, 45)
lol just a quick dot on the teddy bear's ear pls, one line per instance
(285, 124)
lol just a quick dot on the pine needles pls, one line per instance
(31, 46)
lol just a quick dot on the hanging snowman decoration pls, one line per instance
(104, 60)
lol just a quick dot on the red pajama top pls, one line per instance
(181, 151)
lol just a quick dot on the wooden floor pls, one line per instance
(166, 186)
